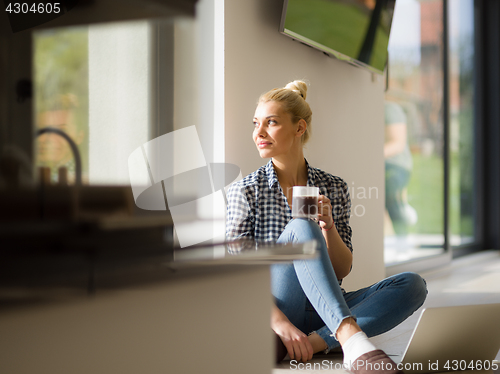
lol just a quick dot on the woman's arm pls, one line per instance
(340, 254)
(239, 215)
(395, 143)
(296, 342)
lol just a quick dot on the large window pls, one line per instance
(430, 136)
(462, 139)
(414, 133)
(103, 87)
(128, 95)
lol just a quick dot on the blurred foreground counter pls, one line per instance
(114, 296)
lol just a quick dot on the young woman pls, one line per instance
(312, 312)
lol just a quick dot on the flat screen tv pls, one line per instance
(356, 31)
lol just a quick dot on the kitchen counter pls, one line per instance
(98, 308)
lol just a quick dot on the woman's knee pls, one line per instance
(300, 230)
(415, 287)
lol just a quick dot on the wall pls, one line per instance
(16, 131)
(347, 127)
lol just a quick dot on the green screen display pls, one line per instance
(353, 30)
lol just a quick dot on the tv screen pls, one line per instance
(356, 31)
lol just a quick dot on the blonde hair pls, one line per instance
(293, 97)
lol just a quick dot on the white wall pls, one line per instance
(347, 126)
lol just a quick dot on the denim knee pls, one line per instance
(416, 288)
(300, 230)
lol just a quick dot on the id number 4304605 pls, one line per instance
(40, 7)
(456, 365)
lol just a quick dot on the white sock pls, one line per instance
(356, 346)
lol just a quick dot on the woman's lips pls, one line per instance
(263, 144)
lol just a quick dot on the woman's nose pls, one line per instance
(260, 131)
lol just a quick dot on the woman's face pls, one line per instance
(274, 133)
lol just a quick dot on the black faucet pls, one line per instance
(74, 149)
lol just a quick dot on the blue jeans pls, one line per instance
(308, 293)
(396, 179)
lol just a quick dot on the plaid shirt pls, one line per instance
(257, 208)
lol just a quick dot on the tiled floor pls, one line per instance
(473, 279)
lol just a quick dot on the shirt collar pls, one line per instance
(272, 178)
(311, 175)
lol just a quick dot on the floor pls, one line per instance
(473, 279)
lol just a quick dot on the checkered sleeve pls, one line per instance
(240, 221)
(342, 211)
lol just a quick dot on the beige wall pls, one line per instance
(347, 104)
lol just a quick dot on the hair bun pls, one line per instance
(299, 87)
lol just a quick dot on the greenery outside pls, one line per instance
(61, 86)
(425, 193)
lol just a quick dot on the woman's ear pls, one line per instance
(301, 128)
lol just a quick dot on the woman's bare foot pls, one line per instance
(348, 327)
(317, 342)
